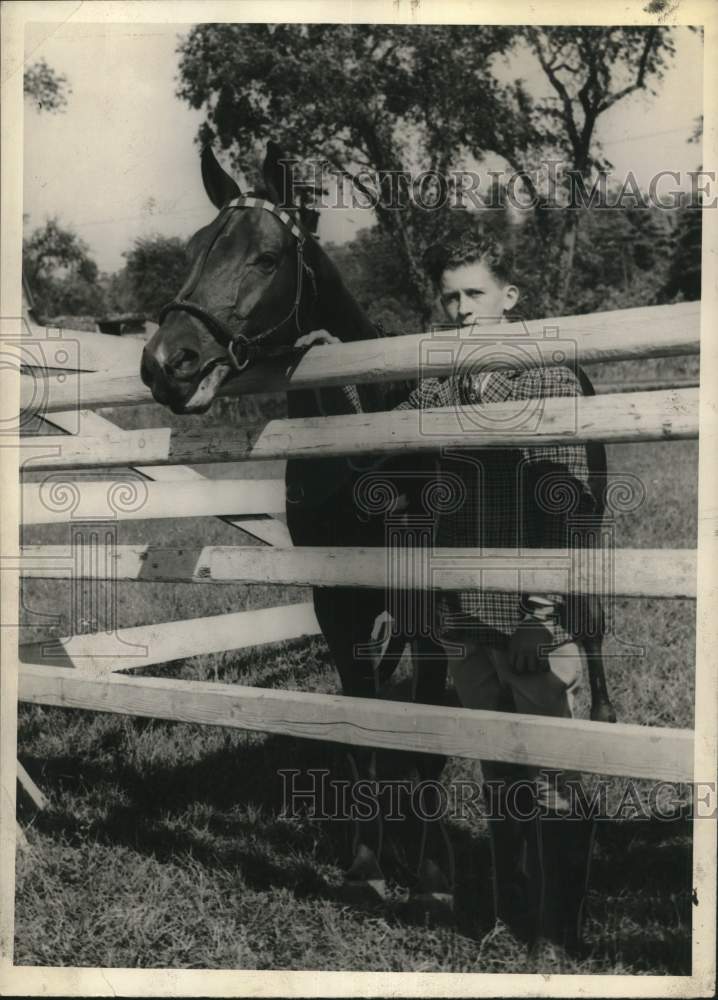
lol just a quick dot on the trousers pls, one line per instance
(540, 865)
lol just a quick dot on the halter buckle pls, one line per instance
(241, 352)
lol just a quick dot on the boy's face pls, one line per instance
(472, 296)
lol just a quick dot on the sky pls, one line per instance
(121, 161)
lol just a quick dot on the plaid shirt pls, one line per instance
(500, 509)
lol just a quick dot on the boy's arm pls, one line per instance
(429, 393)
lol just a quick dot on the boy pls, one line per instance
(508, 651)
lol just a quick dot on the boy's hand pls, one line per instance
(524, 645)
(316, 337)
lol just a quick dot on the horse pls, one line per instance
(257, 282)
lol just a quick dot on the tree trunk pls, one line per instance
(564, 266)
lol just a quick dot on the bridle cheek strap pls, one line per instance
(242, 351)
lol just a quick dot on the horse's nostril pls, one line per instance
(183, 362)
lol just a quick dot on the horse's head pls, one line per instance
(245, 289)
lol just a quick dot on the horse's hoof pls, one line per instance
(604, 712)
(363, 892)
(364, 883)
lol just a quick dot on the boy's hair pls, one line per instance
(469, 240)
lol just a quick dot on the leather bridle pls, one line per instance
(241, 350)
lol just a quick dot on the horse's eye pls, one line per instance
(266, 262)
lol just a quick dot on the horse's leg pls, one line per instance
(346, 616)
(586, 620)
(602, 709)
(435, 866)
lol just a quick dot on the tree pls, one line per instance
(684, 275)
(375, 101)
(62, 275)
(54, 248)
(590, 70)
(45, 88)
(119, 297)
(156, 267)
(375, 276)
(623, 258)
(367, 99)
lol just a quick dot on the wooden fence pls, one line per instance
(634, 416)
(81, 670)
(625, 334)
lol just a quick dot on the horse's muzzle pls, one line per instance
(149, 368)
(180, 384)
(165, 389)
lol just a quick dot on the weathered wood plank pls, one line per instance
(648, 384)
(267, 529)
(30, 788)
(57, 501)
(659, 573)
(636, 751)
(640, 416)
(651, 331)
(80, 350)
(100, 653)
(114, 447)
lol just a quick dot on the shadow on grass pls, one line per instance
(640, 903)
(226, 810)
(633, 854)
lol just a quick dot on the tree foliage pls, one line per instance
(65, 280)
(367, 99)
(62, 274)
(375, 276)
(45, 88)
(624, 258)
(118, 294)
(372, 99)
(684, 275)
(590, 70)
(156, 267)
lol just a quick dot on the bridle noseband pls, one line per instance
(242, 351)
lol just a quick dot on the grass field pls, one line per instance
(163, 844)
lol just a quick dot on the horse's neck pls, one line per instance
(337, 311)
(340, 313)
(335, 308)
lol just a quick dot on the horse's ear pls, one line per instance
(220, 187)
(277, 174)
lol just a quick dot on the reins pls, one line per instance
(241, 350)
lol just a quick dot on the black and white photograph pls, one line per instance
(358, 601)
